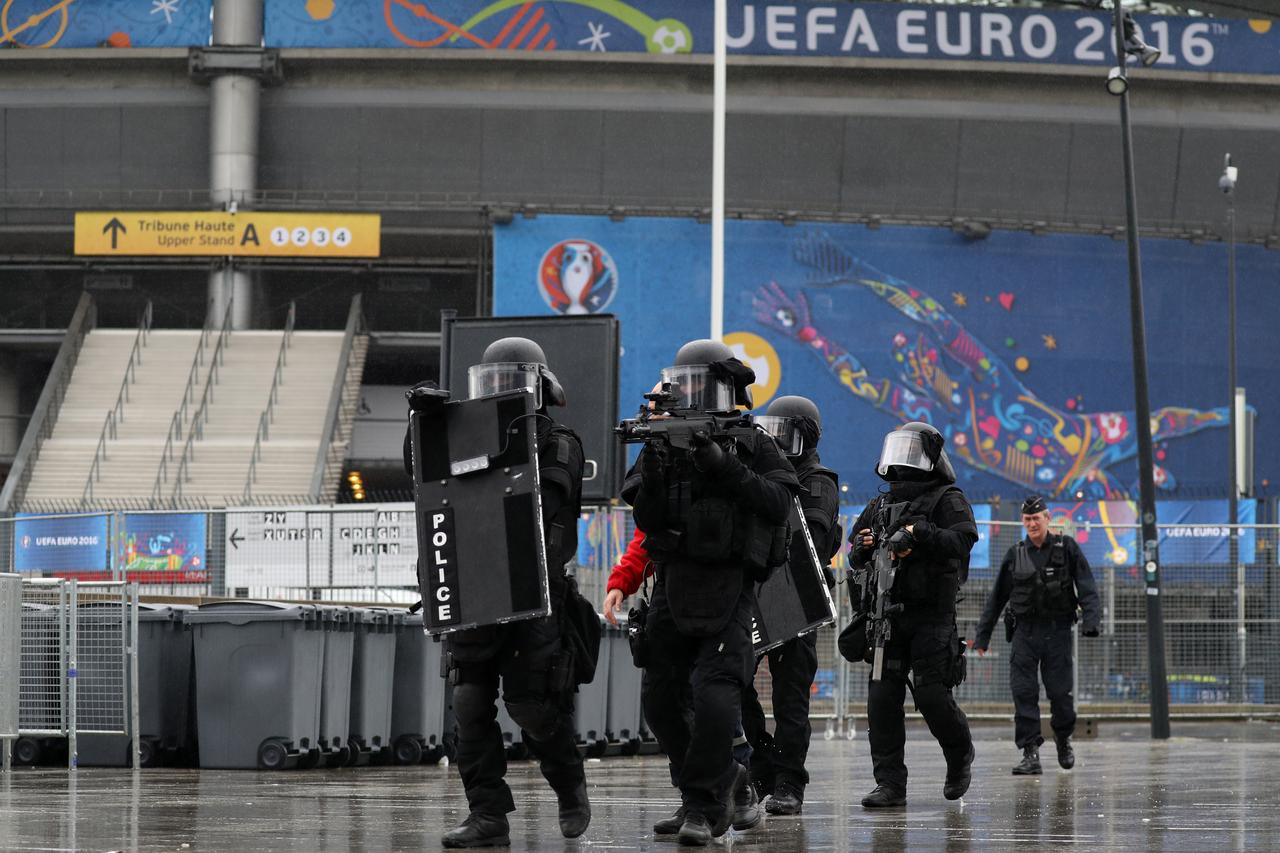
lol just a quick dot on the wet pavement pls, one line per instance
(1212, 787)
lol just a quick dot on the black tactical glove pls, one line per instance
(1090, 631)
(708, 457)
(921, 531)
(653, 462)
(426, 397)
(902, 541)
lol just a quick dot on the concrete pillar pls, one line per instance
(10, 426)
(233, 145)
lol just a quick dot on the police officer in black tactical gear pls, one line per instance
(1044, 580)
(777, 762)
(933, 560)
(528, 657)
(712, 515)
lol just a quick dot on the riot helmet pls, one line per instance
(706, 377)
(914, 451)
(794, 422)
(511, 363)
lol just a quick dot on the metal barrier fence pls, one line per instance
(78, 670)
(1222, 616)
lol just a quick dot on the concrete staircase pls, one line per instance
(129, 468)
(219, 461)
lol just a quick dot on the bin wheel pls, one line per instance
(449, 746)
(26, 751)
(517, 751)
(148, 753)
(353, 755)
(344, 757)
(631, 747)
(596, 748)
(309, 760)
(407, 750)
(272, 755)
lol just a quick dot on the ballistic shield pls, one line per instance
(795, 599)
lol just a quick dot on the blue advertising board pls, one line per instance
(1107, 533)
(798, 29)
(76, 545)
(104, 23)
(1016, 347)
(163, 547)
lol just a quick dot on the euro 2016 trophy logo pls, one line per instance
(577, 277)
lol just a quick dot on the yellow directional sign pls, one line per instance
(256, 233)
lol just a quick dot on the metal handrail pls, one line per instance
(45, 414)
(115, 414)
(179, 418)
(355, 325)
(268, 415)
(196, 430)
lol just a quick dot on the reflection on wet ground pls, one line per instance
(1209, 788)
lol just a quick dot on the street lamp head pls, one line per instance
(1227, 183)
(1117, 83)
(1135, 46)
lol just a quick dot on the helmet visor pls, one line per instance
(784, 432)
(905, 449)
(486, 379)
(697, 387)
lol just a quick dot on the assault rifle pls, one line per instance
(875, 581)
(662, 420)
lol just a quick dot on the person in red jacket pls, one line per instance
(626, 578)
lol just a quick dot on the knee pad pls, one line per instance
(537, 718)
(472, 705)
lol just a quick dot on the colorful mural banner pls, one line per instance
(67, 545)
(105, 23)
(163, 547)
(1016, 347)
(867, 30)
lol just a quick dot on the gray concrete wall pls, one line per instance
(848, 138)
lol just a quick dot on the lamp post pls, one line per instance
(1127, 42)
(1227, 183)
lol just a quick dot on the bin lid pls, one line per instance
(244, 612)
(370, 615)
(150, 612)
(334, 612)
(413, 620)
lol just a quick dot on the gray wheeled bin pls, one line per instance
(591, 707)
(373, 672)
(164, 694)
(335, 689)
(418, 699)
(259, 667)
(41, 667)
(623, 724)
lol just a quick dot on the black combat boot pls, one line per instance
(1066, 755)
(696, 831)
(884, 797)
(575, 811)
(786, 799)
(1030, 764)
(670, 825)
(958, 777)
(479, 830)
(747, 813)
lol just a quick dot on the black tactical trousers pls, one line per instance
(705, 675)
(1045, 644)
(520, 656)
(780, 757)
(922, 645)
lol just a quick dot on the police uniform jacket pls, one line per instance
(1078, 582)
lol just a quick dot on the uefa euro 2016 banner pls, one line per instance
(104, 23)
(869, 30)
(1017, 347)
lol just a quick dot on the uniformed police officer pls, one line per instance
(527, 657)
(1044, 579)
(933, 560)
(777, 762)
(711, 516)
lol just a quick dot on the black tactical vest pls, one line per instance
(1047, 593)
(560, 461)
(919, 583)
(807, 468)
